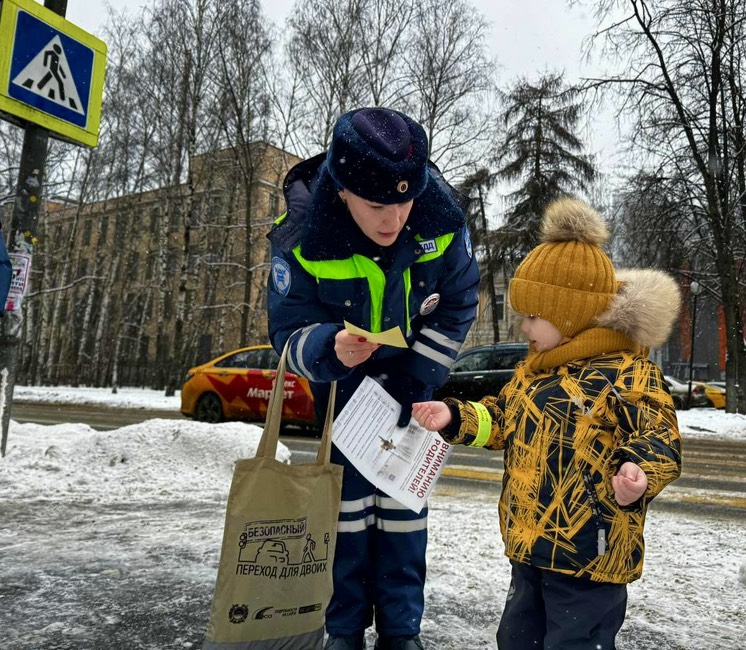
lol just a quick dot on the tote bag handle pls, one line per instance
(268, 443)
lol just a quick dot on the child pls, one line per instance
(589, 432)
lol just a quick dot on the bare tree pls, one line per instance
(383, 39)
(326, 50)
(477, 187)
(11, 140)
(683, 87)
(244, 109)
(181, 38)
(452, 80)
(426, 58)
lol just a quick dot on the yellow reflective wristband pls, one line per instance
(484, 428)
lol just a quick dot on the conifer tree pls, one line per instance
(542, 151)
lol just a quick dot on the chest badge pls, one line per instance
(429, 304)
(429, 246)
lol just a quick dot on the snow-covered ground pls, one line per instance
(127, 398)
(110, 541)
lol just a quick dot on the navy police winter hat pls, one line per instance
(379, 154)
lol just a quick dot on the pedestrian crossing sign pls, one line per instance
(51, 72)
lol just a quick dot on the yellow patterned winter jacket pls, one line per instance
(566, 428)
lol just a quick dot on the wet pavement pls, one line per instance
(93, 576)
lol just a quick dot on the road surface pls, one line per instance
(713, 476)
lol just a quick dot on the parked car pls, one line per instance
(237, 386)
(715, 393)
(680, 389)
(482, 370)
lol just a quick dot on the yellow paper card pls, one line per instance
(392, 337)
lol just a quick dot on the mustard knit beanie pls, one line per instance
(567, 279)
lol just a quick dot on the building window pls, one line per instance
(142, 357)
(150, 267)
(171, 262)
(120, 226)
(274, 204)
(168, 305)
(500, 306)
(195, 214)
(154, 221)
(134, 270)
(104, 230)
(215, 207)
(87, 230)
(204, 353)
(174, 214)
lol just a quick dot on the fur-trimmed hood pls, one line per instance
(645, 307)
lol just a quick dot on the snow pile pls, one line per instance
(165, 459)
(708, 422)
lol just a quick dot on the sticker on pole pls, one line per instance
(21, 263)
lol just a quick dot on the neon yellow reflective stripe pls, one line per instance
(376, 285)
(407, 290)
(441, 243)
(353, 267)
(485, 425)
(280, 219)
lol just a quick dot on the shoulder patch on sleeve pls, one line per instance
(281, 275)
(467, 243)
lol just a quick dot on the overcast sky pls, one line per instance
(526, 38)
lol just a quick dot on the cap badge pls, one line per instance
(402, 187)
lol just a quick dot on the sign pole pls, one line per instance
(22, 240)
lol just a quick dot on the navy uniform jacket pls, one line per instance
(325, 271)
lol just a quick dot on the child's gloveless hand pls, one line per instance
(629, 483)
(431, 415)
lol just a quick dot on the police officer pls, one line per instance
(372, 235)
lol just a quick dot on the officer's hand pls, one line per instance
(351, 349)
(406, 390)
(405, 416)
(434, 416)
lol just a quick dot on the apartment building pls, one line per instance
(134, 290)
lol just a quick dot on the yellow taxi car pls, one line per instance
(237, 386)
(715, 393)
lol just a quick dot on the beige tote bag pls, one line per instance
(275, 574)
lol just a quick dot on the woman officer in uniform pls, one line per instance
(372, 235)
